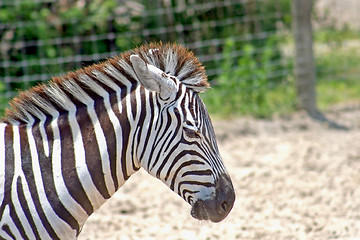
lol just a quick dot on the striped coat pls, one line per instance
(68, 145)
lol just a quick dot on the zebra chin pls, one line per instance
(217, 208)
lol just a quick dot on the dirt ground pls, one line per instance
(294, 179)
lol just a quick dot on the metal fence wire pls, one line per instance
(44, 38)
(40, 39)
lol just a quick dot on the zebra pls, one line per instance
(68, 145)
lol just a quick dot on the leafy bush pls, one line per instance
(45, 38)
(41, 31)
(3, 99)
(246, 87)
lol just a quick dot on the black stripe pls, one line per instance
(151, 115)
(110, 138)
(9, 178)
(114, 103)
(25, 207)
(163, 139)
(125, 73)
(9, 167)
(32, 185)
(204, 184)
(26, 164)
(100, 83)
(190, 197)
(134, 146)
(48, 180)
(6, 229)
(170, 140)
(198, 173)
(125, 129)
(133, 100)
(68, 166)
(178, 126)
(113, 78)
(92, 152)
(158, 106)
(113, 146)
(183, 165)
(180, 156)
(141, 123)
(157, 124)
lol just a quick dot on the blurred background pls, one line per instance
(295, 178)
(247, 46)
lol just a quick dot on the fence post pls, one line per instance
(304, 65)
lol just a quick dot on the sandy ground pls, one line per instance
(294, 179)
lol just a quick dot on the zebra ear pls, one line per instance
(153, 78)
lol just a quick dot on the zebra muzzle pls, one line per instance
(217, 208)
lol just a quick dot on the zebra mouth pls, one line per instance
(198, 211)
(217, 208)
(209, 210)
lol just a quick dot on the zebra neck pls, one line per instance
(96, 145)
(74, 161)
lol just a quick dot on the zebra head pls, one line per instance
(184, 153)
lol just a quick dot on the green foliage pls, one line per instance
(338, 75)
(245, 87)
(40, 32)
(42, 26)
(3, 100)
(335, 38)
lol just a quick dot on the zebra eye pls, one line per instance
(191, 133)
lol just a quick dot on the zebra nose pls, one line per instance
(217, 208)
(224, 197)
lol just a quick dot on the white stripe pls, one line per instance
(129, 70)
(66, 199)
(82, 96)
(6, 219)
(60, 187)
(148, 147)
(129, 157)
(119, 145)
(118, 138)
(114, 120)
(2, 161)
(60, 227)
(100, 136)
(111, 70)
(15, 198)
(139, 109)
(82, 170)
(103, 148)
(32, 110)
(118, 135)
(44, 138)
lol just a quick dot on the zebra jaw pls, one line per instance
(218, 207)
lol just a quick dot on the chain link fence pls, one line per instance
(44, 38)
(337, 38)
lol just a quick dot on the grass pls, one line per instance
(332, 92)
(338, 74)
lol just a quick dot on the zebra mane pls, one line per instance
(61, 93)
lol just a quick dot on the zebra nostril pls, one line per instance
(224, 206)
